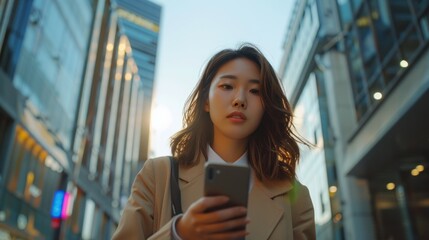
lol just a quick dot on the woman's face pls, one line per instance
(234, 102)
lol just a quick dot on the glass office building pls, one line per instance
(42, 59)
(386, 47)
(74, 77)
(364, 86)
(139, 21)
(304, 85)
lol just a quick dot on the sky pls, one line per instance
(192, 31)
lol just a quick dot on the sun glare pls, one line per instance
(161, 118)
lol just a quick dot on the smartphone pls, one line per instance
(228, 180)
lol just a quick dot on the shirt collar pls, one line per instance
(213, 157)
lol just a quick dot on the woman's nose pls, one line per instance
(239, 102)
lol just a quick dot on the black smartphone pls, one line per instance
(227, 180)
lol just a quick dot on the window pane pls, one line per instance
(401, 14)
(383, 26)
(386, 206)
(410, 44)
(362, 106)
(356, 4)
(14, 36)
(392, 67)
(5, 128)
(345, 13)
(424, 26)
(417, 197)
(366, 39)
(420, 5)
(355, 62)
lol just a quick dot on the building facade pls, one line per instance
(373, 62)
(71, 118)
(304, 84)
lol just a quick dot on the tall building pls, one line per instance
(42, 59)
(114, 116)
(376, 88)
(139, 21)
(76, 82)
(304, 84)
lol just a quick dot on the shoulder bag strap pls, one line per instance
(176, 202)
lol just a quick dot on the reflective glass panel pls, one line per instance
(420, 5)
(362, 106)
(410, 44)
(356, 4)
(385, 38)
(355, 62)
(401, 15)
(366, 39)
(345, 13)
(392, 67)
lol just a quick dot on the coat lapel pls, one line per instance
(264, 213)
(191, 183)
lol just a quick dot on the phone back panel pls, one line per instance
(229, 180)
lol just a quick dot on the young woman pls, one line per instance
(238, 114)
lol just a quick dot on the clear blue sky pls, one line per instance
(191, 32)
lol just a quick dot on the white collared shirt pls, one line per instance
(213, 157)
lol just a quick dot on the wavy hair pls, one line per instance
(273, 150)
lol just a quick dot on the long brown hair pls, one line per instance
(272, 149)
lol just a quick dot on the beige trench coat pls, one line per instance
(277, 209)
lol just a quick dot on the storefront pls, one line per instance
(28, 188)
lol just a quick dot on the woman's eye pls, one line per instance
(254, 91)
(226, 86)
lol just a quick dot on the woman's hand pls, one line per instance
(226, 223)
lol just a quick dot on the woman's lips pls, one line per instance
(237, 117)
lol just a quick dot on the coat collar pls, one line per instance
(188, 174)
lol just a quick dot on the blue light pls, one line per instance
(57, 204)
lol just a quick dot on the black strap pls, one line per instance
(176, 202)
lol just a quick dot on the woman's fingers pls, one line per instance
(228, 235)
(230, 225)
(226, 223)
(223, 215)
(205, 203)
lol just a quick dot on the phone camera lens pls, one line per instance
(210, 172)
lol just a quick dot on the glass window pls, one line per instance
(52, 179)
(420, 5)
(366, 39)
(356, 4)
(17, 158)
(410, 44)
(345, 13)
(424, 25)
(385, 38)
(400, 193)
(386, 206)
(362, 106)
(401, 15)
(356, 67)
(14, 36)
(392, 67)
(5, 129)
(415, 178)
